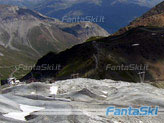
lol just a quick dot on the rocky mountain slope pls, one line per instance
(26, 35)
(154, 17)
(111, 57)
(78, 100)
(103, 58)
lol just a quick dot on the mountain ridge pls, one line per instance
(117, 13)
(29, 34)
(113, 51)
(136, 44)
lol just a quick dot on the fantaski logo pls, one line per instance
(142, 111)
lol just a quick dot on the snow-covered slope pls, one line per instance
(82, 100)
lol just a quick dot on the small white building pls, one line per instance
(12, 81)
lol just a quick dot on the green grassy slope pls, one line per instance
(91, 59)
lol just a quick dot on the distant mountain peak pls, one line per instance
(114, 11)
(30, 35)
(11, 12)
(20, 22)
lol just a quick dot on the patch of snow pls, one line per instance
(154, 34)
(33, 93)
(54, 90)
(105, 92)
(17, 81)
(114, 121)
(103, 96)
(135, 45)
(26, 110)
